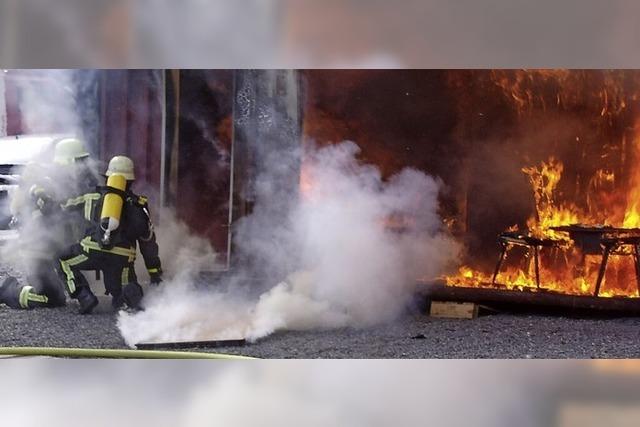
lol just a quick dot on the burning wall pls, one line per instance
(584, 172)
(517, 149)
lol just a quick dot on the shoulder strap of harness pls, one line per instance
(107, 189)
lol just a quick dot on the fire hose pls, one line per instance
(114, 353)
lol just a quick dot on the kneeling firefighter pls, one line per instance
(45, 228)
(110, 244)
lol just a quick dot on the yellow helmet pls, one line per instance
(121, 165)
(68, 150)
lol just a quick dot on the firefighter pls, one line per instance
(39, 240)
(82, 193)
(112, 250)
(45, 228)
(73, 155)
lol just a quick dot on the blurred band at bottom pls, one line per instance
(561, 393)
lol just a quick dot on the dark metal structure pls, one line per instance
(605, 241)
(533, 245)
(266, 148)
(601, 240)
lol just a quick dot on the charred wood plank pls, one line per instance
(518, 299)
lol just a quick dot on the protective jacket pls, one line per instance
(115, 260)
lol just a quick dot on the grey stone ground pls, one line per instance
(490, 336)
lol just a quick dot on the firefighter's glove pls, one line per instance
(14, 224)
(42, 201)
(45, 205)
(155, 276)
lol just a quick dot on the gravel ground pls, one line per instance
(490, 336)
(499, 335)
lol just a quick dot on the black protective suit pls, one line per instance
(115, 261)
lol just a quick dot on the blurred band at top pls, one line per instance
(319, 34)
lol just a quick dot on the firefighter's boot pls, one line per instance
(10, 292)
(86, 299)
(117, 300)
(132, 295)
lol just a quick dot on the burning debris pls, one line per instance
(564, 249)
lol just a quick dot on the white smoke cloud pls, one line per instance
(179, 310)
(348, 265)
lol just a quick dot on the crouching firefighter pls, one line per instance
(38, 245)
(45, 227)
(121, 224)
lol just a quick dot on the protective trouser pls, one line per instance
(116, 265)
(42, 288)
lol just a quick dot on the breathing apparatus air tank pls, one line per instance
(112, 207)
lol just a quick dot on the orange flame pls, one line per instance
(544, 180)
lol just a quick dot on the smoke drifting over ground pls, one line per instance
(353, 243)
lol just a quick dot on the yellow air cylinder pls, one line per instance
(112, 207)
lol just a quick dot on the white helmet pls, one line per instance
(68, 150)
(121, 165)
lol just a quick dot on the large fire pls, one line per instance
(611, 200)
(574, 135)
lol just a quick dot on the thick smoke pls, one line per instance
(354, 245)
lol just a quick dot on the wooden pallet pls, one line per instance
(454, 310)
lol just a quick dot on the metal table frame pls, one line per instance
(509, 239)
